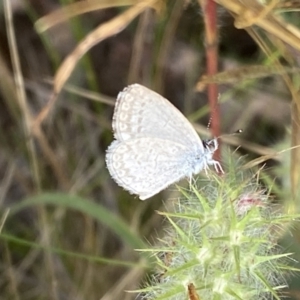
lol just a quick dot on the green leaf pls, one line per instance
(87, 207)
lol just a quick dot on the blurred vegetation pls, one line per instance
(67, 230)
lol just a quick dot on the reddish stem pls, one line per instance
(209, 8)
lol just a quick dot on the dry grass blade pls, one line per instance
(285, 6)
(264, 158)
(84, 93)
(243, 73)
(144, 28)
(167, 42)
(20, 89)
(3, 219)
(99, 34)
(269, 22)
(295, 157)
(192, 292)
(127, 282)
(250, 17)
(102, 32)
(7, 89)
(75, 9)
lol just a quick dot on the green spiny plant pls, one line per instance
(221, 243)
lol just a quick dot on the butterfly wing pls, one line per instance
(145, 166)
(140, 112)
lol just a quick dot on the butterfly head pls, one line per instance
(210, 145)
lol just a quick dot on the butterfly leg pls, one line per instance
(205, 169)
(211, 146)
(218, 167)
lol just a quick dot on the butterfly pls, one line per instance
(155, 145)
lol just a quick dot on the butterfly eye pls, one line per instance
(208, 143)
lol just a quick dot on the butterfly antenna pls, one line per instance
(209, 123)
(230, 134)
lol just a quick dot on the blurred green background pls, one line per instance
(67, 230)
